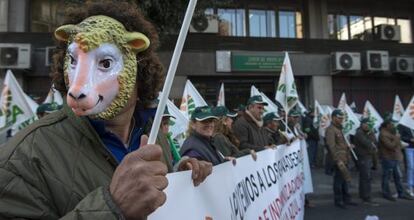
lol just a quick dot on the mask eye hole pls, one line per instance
(72, 60)
(105, 64)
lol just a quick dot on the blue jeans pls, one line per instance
(391, 168)
(409, 157)
(312, 151)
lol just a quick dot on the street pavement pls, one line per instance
(322, 199)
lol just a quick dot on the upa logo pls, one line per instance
(10, 110)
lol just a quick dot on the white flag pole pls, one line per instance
(171, 71)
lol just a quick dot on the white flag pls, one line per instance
(408, 117)
(179, 125)
(15, 108)
(351, 122)
(54, 96)
(323, 119)
(33, 105)
(302, 108)
(398, 110)
(375, 119)
(353, 105)
(286, 93)
(254, 91)
(342, 101)
(221, 101)
(271, 107)
(190, 100)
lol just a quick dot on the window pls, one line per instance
(232, 22)
(45, 15)
(299, 26)
(288, 24)
(345, 27)
(359, 25)
(406, 32)
(383, 20)
(262, 23)
(342, 25)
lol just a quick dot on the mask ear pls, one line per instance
(63, 33)
(137, 41)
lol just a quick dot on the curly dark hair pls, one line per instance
(150, 72)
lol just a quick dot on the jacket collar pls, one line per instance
(250, 118)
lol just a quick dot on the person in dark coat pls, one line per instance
(365, 148)
(224, 139)
(271, 123)
(390, 154)
(249, 127)
(407, 136)
(199, 142)
(312, 137)
(340, 154)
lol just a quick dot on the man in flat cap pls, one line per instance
(338, 148)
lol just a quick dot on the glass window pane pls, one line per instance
(342, 25)
(232, 22)
(383, 20)
(299, 26)
(357, 27)
(45, 15)
(406, 33)
(287, 24)
(262, 23)
(331, 26)
(209, 11)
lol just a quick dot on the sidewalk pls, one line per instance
(324, 208)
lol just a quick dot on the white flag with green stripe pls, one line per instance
(179, 124)
(351, 122)
(342, 101)
(271, 107)
(322, 118)
(54, 96)
(16, 112)
(398, 110)
(375, 119)
(408, 117)
(190, 100)
(286, 93)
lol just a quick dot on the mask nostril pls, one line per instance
(81, 96)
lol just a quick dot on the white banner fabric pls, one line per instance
(272, 187)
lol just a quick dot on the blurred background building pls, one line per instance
(364, 48)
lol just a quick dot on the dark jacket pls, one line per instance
(202, 147)
(57, 167)
(406, 135)
(228, 149)
(389, 146)
(275, 137)
(364, 144)
(251, 136)
(336, 143)
(309, 129)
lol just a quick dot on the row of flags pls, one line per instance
(18, 110)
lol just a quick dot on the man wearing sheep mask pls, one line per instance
(91, 160)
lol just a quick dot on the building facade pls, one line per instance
(362, 48)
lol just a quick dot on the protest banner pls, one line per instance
(272, 187)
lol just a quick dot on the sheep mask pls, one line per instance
(100, 65)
